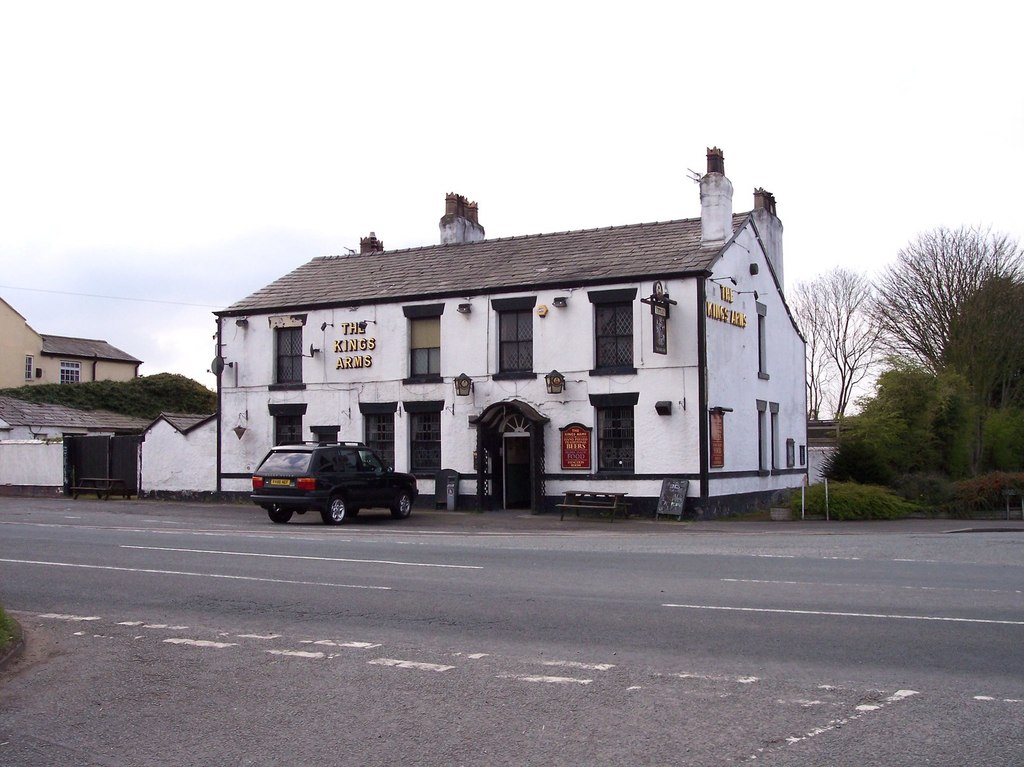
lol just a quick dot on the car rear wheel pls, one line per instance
(402, 507)
(279, 515)
(336, 512)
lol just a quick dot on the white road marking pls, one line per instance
(258, 636)
(306, 558)
(716, 678)
(192, 575)
(576, 664)
(409, 664)
(853, 585)
(297, 654)
(545, 679)
(63, 617)
(332, 643)
(1002, 700)
(130, 623)
(849, 615)
(200, 643)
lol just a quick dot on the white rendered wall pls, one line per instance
(32, 463)
(733, 367)
(176, 462)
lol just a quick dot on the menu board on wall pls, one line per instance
(717, 439)
(576, 447)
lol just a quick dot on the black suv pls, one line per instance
(335, 479)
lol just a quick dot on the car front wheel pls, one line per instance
(336, 512)
(279, 515)
(402, 507)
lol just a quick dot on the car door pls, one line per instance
(372, 473)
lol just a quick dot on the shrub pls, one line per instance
(854, 460)
(983, 493)
(927, 489)
(848, 500)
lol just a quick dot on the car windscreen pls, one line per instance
(285, 463)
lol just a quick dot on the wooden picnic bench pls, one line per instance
(611, 502)
(103, 487)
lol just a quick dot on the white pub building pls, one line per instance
(603, 360)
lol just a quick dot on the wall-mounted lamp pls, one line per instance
(555, 382)
(754, 269)
(313, 351)
(242, 322)
(663, 407)
(324, 325)
(463, 385)
(723, 279)
(747, 292)
(560, 301)
(465, 308)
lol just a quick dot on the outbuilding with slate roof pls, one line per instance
(631, 359)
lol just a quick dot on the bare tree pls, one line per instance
(921, 295)
(842, 349)
(809, 309)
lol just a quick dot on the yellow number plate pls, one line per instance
(284, 482)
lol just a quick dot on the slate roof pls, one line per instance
(182, 422)
(16, 412)
(65, 346)
(564, 259)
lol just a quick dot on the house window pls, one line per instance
(29, 361)
(425, 347)
(70, 372)
(614, 335)
(613, 330)
(288, 345)
(615, 445)
(773, 407)
(762, 437)
(287, 429)
(762, 349)
(379, 434)
(515, 341)
(425, 442)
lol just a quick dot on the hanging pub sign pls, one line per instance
(660, 304)
(576, 447)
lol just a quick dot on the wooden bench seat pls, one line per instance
(103, 487)
(612, 503)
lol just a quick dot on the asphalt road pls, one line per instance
(196, 635)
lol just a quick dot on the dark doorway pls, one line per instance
(103, 457)
(510, 456)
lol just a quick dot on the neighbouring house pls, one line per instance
(28, 357)
(178, 456)
(603, 360)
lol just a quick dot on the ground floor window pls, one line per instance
(615, 444)
(425, 442)
(70, 372)
(380, 435)
(287, 429)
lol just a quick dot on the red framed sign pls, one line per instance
(576, 447)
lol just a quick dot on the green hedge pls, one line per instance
(848, 500)
(985, 493)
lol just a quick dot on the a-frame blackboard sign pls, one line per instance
(673, 497)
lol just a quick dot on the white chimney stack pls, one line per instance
(715, 201)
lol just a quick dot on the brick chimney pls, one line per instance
(370, 245)
(715, 201)
(459, 223)
(769, 227)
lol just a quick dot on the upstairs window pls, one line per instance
(762, 348)
(424, 342)
(288, 345)
(70, 372)
(425, 347)
(515, 341)
(613, 330)
(29, 361)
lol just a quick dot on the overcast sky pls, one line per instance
(162, 160)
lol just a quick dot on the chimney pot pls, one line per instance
(716, 160)
(370, 244)
(460, 222)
